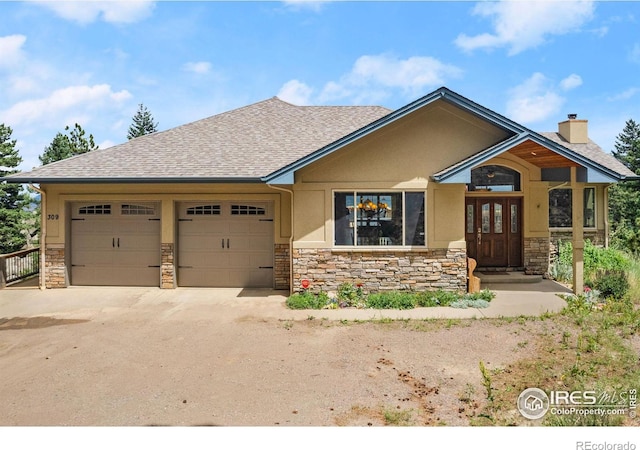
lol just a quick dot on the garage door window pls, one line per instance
(204, 210)
(95, 210)
(137, 210)
(247, 210)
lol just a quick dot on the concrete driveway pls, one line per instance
(512, 300)
(145, 356)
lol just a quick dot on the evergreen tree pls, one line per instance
(624, 197)
(142, 123)
(64, 146)
(12, 199)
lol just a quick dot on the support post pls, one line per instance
(577, 220)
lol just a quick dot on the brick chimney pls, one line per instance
(574, 130)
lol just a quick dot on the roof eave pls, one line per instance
(130, 180)
(460, 173)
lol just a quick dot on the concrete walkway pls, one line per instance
(512, 300)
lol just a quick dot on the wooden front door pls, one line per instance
(493, 231)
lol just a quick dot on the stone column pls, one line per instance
(55, 270)
(167, 268)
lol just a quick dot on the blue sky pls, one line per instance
(94, 62)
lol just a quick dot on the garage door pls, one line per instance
(225, 244)
(115, 244)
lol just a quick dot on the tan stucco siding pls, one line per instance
(413, 148)
(58, 196)
(445, 216)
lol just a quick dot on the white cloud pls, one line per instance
(521, 25)
(295, 92)
(201, 67)
(534, 100)
(626, 95)
(76, 100)
(11, 49)
(111, 11)
(634, 55)
(571, 82)
(374, 76)
(312, 5)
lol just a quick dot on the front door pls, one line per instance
(493, 231)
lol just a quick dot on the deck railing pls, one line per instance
(19, 265)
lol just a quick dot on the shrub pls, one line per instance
(612, 283)
(596, 259)
(391, 300)
(484, 294)
(350, 295)
(436, 298)
(466, 302)
(307, 300)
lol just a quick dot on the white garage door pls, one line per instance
(225, 244)
(115, 244)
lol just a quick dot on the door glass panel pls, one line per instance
(486, 218)
(514, 218)
(497, 218)
(469, 218)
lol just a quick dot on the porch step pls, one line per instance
(506, 277)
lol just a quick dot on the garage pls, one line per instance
(225, 244)
(115, 244)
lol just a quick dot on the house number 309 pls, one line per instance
(52, 216)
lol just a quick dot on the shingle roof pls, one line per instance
(245, 143)
(592, 151)
(264, 139)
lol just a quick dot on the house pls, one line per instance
(272, 194)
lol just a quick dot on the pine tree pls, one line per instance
(624, 197)
(64, 146)
(12, 199)
(142, 123)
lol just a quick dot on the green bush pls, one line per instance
(307, 300)
(484, 294)
(612, 283)
(596, 259)
(436, 298)
(391, 300)
(349, 295)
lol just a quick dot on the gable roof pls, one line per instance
(268, 141)
(242, 145)
(601, 167)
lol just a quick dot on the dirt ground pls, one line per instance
(157, 368)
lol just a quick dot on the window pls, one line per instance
(560, 201)
(379, 218)
(137, 210)
(95, 210)
(247, 210)
(494, 179)
(204, 210)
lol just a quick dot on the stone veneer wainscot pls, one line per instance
(55, 270)
(380, 270)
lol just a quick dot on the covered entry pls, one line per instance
(494, 231)
(115, 244)
(225, 244)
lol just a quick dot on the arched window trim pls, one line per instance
(495, 178)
